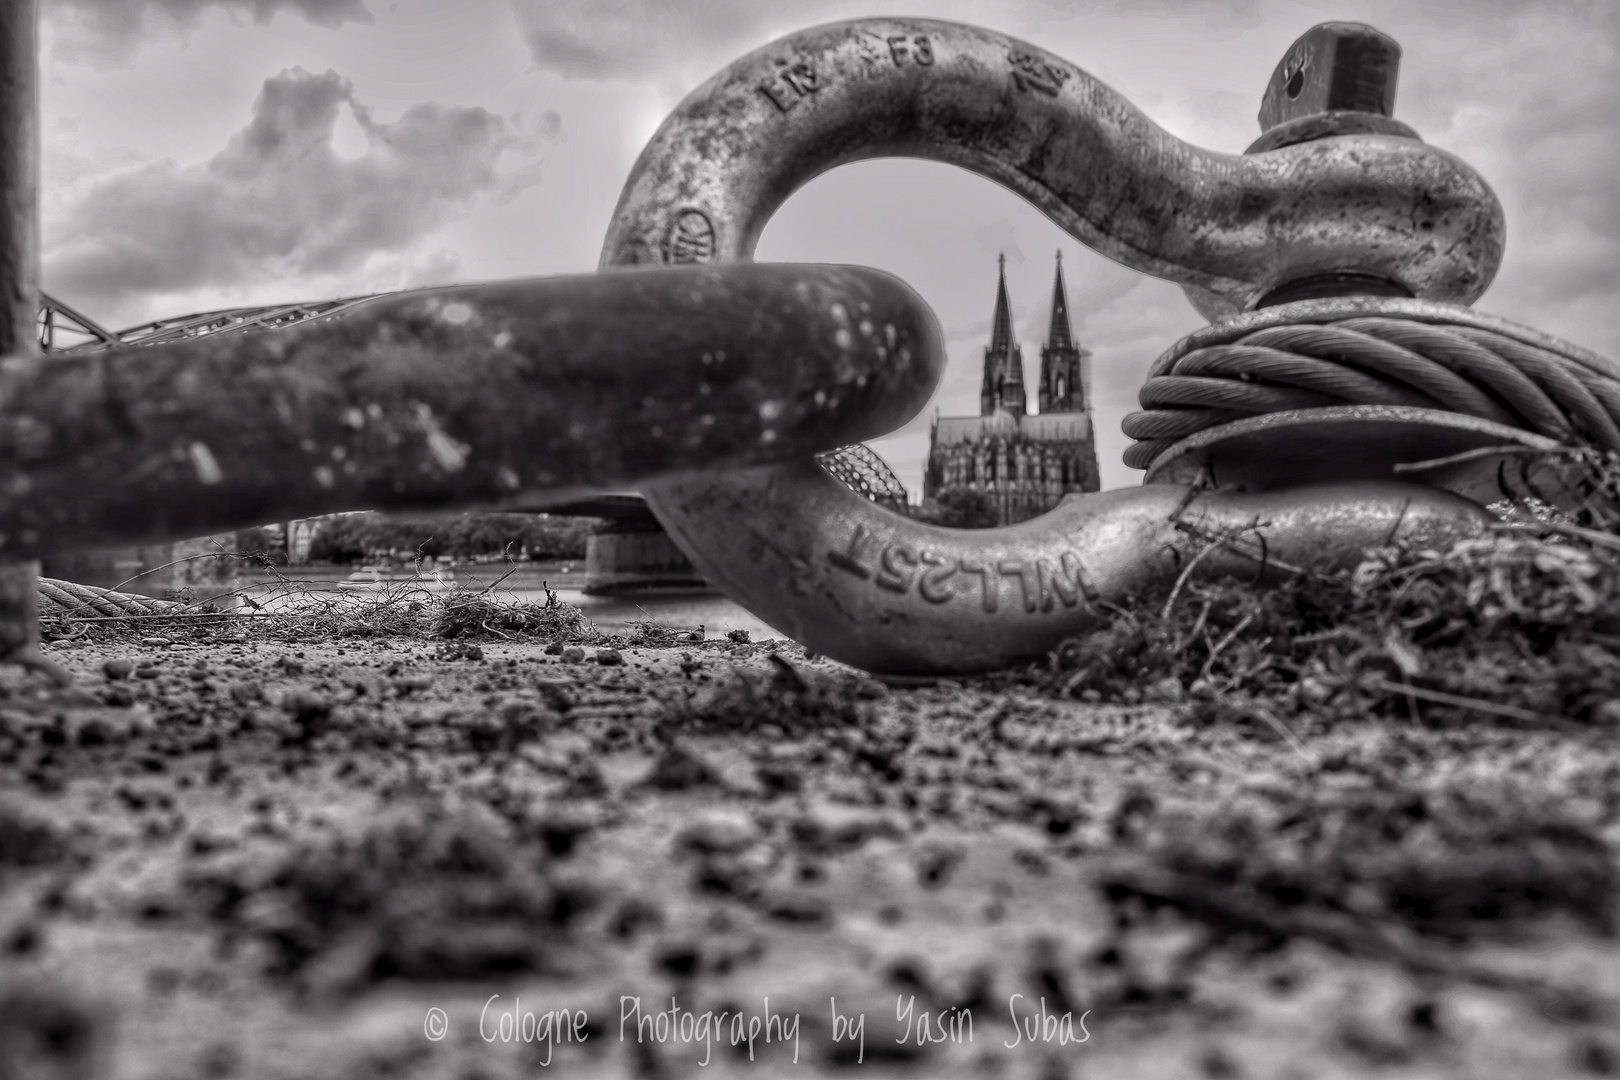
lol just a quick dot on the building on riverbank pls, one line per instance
(1023, 463)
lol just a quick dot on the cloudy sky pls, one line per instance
(201, 153)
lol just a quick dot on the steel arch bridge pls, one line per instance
(63, 330)
(860, 469)
(66, 331)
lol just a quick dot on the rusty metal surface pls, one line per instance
(453, 397)
(898, 597)
(1229, 228)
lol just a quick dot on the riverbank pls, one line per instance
(279, 856)
(524, 576)
(703, 611)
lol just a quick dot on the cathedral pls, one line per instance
(1025, 462)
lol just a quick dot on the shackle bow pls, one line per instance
(1336, 218)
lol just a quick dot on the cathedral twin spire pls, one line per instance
(1003, 358)
(1063, 382)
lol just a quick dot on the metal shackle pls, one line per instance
(893, 595)
(1231, 229)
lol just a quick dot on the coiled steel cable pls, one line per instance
(1376, 351)
(59, 598)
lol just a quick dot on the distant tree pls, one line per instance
(265, 543)
(340, 539)
(372, 537)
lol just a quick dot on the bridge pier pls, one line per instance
(630, 551)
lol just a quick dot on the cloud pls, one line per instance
(1531, 98)
(630, 39)
(278, 202)
(1000, 238)
(670, 44)
(108, 32)
(675, 44)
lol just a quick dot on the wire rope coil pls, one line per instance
(63, 598)
(1375, 351)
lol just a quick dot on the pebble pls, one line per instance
(739, 636)
(156, 642)
(573, 654)
(720, 831)
(609, 657)
(306, 706)
(1167, 689)
(1313, 690)
(119, 668)
(871, 689)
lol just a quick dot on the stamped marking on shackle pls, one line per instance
(1030, 72)
(920, 49)
(896, 566)
(797, 80)
(896, 49)
(691, 238)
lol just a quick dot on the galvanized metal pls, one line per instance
(479, 395)
(893, 595)
(1230, 228)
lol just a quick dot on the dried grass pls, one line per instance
(1520, 627)
(463, 614)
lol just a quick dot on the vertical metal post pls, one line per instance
(19, 284)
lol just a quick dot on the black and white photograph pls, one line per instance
(1007, 539)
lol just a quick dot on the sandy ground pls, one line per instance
(391, 858)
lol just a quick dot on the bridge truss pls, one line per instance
(64, 330)
(860, 469)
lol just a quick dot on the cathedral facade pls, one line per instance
(1025, 463)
